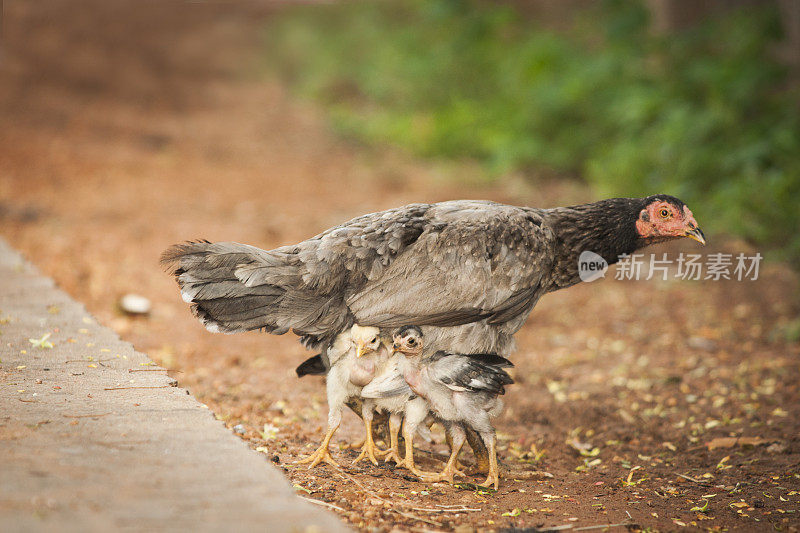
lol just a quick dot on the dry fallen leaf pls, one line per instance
(730, 442)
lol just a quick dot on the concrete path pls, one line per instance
(94, 438)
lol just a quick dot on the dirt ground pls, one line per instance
(130, 126)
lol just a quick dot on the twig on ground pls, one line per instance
(601, 526)
(152, 370)
(451, 510)
(387, 502)
(693, 480)
(86, 416)
(324, 504)
(121, 388)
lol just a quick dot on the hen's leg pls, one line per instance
(482, 455)
(393, 453)
(493, 477)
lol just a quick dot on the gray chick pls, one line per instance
(461, 389)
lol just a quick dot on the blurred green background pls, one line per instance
(706, 110)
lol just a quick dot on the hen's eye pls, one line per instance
(664, 213)
(411, 342)
(374, 340)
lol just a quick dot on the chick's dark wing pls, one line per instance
(470, 372)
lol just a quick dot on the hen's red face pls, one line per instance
(662, 220)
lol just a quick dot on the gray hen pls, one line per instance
(461, 389)
(469, 272)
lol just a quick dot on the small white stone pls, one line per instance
(135, 304)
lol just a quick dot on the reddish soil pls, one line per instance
(131, 126)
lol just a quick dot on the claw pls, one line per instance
(393, 455)
(445, 475)
(492, 481)
(322, 454)
(368, 452)
(368, 449)
(426, 477)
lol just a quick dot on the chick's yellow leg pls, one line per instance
(368, 449)
(493, 479)
(450, 469)
(408, 460)
(393, 453)
(323, 452)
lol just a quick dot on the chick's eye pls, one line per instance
(411, 342)
(374, 340)
(664, 213)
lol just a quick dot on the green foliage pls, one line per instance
(703, 114)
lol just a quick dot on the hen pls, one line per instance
(468, 272)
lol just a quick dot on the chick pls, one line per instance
(461, 389)
(354, 357)
(388, 392)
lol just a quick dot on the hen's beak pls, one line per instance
(359, 350)
(693, 232)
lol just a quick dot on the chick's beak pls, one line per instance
(693, 232)
(359, 350)
(395, 346)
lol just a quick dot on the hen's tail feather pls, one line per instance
(236, 287)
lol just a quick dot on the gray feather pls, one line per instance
(467, 271)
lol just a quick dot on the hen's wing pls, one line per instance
(470, 372)
(438, 265)
(474, 261)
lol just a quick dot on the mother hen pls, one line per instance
(468, 271)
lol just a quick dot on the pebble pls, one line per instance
(135, 304)
(238, 429)
(777, 447)
(702, 343)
